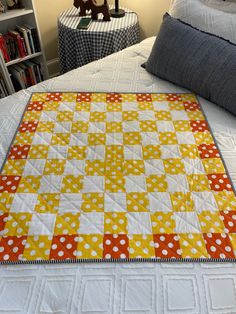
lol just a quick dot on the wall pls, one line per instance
(47, 14)
(150, 14)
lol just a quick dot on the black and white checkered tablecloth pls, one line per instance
(79, 47)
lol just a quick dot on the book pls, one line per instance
(18, 73)
(39, 70)
(24, 34)
(3, 48)
(35, 37)
(31, 68)
(25, 74)
(16, 35)
(30, 39)
(19, 42)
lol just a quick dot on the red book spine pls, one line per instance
(23, 46)
(31, 76)
(4, 49)
(19, 44)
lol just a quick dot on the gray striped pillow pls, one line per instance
(196, 60)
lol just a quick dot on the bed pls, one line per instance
(118, 288)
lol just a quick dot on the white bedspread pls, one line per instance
(118, 288)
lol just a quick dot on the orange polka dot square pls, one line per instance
(199, 126)
(35, 106)
(167, 246)
(229, 220)
(63, 247)
(19, 152)
(28, 126)
(9, 183)
(115, 246)
(12, 248)
(84, 97)
(218, 245)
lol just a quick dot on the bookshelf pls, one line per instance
(33, 58)
(14, 13)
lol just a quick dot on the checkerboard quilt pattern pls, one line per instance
(109, 176)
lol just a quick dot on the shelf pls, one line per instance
(37, 54)
(14, 13)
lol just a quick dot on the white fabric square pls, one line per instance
(154, 166)
(91, 223)
(66, 106)
(135, 184)
(75, 167)
(185, 138)
(177, 183)
(24, 202)
(70, 202)
(133, 152)
(114, 116)
(186, 222)
(98, 106)
(97, 127)
(50, 184)
(34, 167)
(193, 166)
(47, 116)
(115, 202)
(42, 138)
(81, 116)
(96, 152)
(150, 138)
(170, 151)
(63, 127)
(129, 106)
(131, 126)
(160, 202)
(57, 152)
(204, 201)
(165, 126)
(162, 105)
(114, 138)
(146, 115)
(93, 184)
(42, 224)
(179, 115)
(79, 139)
(139, 223)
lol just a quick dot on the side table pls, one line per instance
(78, 47)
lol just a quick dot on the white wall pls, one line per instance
(150, 13)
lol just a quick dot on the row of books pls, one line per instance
(26, 74)
(19, 43)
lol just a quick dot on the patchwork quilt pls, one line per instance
(115, 177)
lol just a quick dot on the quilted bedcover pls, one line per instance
(118, 287)
(115, 176)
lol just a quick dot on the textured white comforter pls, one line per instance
(118, 288)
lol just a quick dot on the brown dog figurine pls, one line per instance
(95, 9)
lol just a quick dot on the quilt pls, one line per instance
(102, 177)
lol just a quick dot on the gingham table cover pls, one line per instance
(79, 47)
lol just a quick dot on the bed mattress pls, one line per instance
(118, 288)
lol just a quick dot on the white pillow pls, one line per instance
(214, 16)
